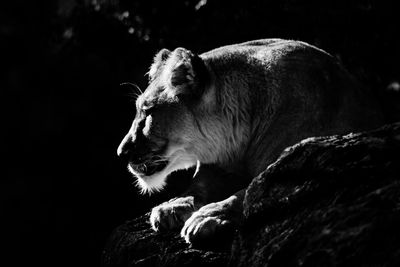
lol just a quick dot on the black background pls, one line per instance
(63, 113)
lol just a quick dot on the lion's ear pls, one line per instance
(188, 74)
(158, 60)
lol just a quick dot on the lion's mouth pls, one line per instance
(149, 167)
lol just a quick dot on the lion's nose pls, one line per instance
(132, 149)
(134, 145)
(126, 146)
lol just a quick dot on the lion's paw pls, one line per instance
(209, 226)
(171, 215)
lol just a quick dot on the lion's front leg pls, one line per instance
(171, 215)
(214, 223)
(211, 185)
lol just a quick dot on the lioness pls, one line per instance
(230, 112)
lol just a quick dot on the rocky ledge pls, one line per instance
(327, 201)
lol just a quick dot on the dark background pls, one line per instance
(63, 189)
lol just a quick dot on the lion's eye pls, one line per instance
(148, 109)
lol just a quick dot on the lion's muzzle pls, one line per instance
(144, 156)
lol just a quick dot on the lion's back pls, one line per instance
(296, 73)
(296, 91)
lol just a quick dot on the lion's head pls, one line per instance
(178, 122)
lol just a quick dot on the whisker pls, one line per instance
(158, 160)
(134, 86)
(150, 161)
(158, 156)
(133, 96)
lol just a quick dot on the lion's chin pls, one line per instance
(156, 182)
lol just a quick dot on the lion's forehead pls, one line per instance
(156, 94)
(161, 70)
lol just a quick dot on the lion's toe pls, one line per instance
(171, 215)
(208, 227)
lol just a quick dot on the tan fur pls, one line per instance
(260, 97)
(237, 107)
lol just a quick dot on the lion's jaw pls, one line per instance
(178, 159)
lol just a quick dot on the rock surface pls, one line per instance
(329, 201)
(136, 244)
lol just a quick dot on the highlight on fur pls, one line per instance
(178, 160)
(239, 106)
